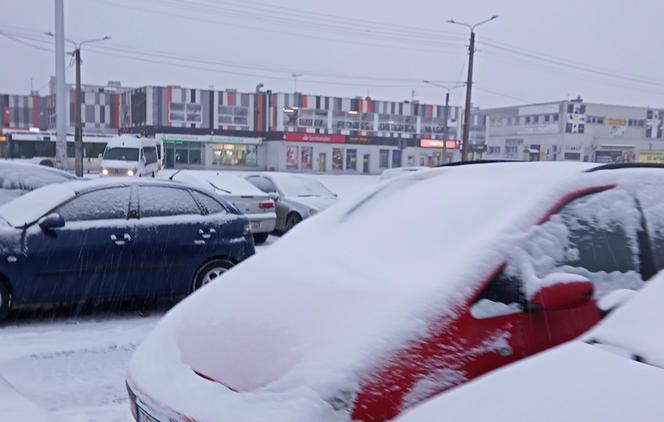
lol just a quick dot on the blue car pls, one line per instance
(115, 239)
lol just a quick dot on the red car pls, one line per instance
(426, 282)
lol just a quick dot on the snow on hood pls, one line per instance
(317, 311)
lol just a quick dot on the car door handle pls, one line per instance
(125, 238)
(207, 235)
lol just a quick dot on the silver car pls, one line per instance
(18, 178)
(297, 196)
(256, 205)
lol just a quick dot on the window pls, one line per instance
(233, 115)
(337, 159)
(291, 158)
(121, 154)
(555, 117)
(159, 201)
(235, 155)
(396, 158)
(185, 112)
(527, 120)
(211, 205)
(263, 184)
(384, 158)
(652, 203)
(351, 159)
(103, 204)
(547, 118)
(150, 155)
(307, 158)
(535, 119)
(493, 150)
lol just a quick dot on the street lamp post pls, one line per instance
(469, 83)
(78, 130)
(446, 112)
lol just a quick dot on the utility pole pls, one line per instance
(446, 110)
(78, 131)
(60, 100)
(469, 84)
(295, 76)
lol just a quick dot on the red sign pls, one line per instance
(314, 137)
(438, 143)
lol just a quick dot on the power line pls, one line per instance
(501, 94)
(18, 40)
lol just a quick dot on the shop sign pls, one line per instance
(314, 137)
(612, 121)
(216, 139)
(357, 139)
(651, 157)
(438, 143)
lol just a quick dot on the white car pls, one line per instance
(130, 155)
(256, 205)
(613, 373)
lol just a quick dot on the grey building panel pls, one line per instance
(205, 108)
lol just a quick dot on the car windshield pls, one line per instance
(121, 154)
(303, 187)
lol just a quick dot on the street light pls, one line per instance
(446, 112)
(469, 82)
(78, 130)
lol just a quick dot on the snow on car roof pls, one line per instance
(577, 380)
(347, 287)
(26, 176)
(28, 208)
(226, 183)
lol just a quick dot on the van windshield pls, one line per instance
(121, 153)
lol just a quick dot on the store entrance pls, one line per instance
(321, 161)
(365, 163)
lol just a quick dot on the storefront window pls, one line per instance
(291, 158)
(396, 158)
(235, 155)
(337, 159)
(307, 154)
(351, 159)
(384, 161)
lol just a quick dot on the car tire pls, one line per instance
(260, 238)
(292, 220)
(210, 272)
(6, 300)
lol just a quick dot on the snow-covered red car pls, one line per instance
(613, 373)
(422, 284)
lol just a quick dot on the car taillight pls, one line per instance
(266, 205)
(247, 229)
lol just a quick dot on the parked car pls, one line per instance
(297, 196)
(614, 373)
(130, 155)
(113, 239)
(424, 283)
(255, 204)
(399, 171)
(18, 178)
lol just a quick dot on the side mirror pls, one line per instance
(561, 291)
(51, 221)
(274, 196)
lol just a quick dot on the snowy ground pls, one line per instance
(73, 368)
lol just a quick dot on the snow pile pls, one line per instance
(15, 407)
(304, 321)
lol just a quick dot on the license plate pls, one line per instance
(255, 226)
(144, 416)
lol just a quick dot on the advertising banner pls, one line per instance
(651, 157)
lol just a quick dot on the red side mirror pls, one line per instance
(563, 295)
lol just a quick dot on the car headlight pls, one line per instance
(131, 172)
(104, 172)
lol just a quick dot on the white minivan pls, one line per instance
(130, 155)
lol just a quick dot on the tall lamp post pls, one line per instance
(469, 83)
(446, 112)
(78, 131)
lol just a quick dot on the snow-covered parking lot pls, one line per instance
(73, 368)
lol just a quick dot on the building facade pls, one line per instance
(575, 130)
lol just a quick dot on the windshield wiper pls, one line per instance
(218, 188)
(307, 195)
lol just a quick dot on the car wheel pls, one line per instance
(5, 300)
(210, 272)
(292, 220)
(260, 238)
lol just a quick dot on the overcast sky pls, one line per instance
(239, 43)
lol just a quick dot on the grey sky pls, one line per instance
(611, 36)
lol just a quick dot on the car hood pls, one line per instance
(317, 203)
(119, 164)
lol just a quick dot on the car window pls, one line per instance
(651, 201)
(263, 184)
(212, 205)
(102, 204)
(161, 201)
(595, 236)
(269, 186)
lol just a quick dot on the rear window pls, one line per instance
(211, 205)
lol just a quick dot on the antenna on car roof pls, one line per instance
(173, 175)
